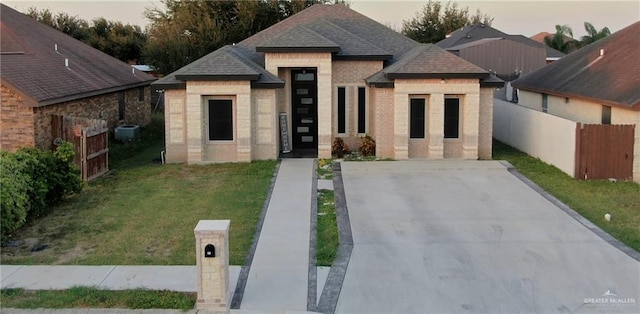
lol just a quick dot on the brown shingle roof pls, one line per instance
(611, 78)
(349, 35)
(31, 64)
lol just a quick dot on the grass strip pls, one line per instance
(85, 297)
(327, 229)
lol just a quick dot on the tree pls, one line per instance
(562, 40)
(124, 42)
(434, 22)
(184, 31)
(593, 34)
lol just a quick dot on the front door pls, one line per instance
(304, 106)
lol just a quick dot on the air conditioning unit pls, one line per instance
(127, 133)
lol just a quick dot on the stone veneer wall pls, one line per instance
(466, 147)
(19, 126)
(198, 148)
(351, 76)
(264, 124)
(485, 125)
(274, 62)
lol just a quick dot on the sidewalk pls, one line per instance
(46, 277)
(278, 279)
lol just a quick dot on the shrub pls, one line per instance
(33, 182)
(367, 146)
(14, 200)
(339, 148)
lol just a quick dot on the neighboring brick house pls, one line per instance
(334, 73)
(508, 56)
(597, 84)
(44, 72)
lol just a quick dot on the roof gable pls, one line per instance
(429, 61)
(300, 39)
(605, 71)
(35, 58)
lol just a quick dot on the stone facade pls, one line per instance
(351, 75)
(31, 126)
(387, 114)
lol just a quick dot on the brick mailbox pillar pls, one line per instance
(212, 263)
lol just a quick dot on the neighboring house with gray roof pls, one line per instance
(331, 72)
(44, 72)
(597, 84)
(508, 56)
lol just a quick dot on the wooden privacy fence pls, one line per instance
(90, 138)
(604, 151)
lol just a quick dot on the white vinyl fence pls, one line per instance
(539, 134)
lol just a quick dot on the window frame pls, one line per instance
(606, 115)
(545, 103)
(208, 120)
(361, 123)
(122, 105)
(424, 117)
(341, 110)
(141, 93)
(459, 119)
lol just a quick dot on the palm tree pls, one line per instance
(593, 34)
(562, 40)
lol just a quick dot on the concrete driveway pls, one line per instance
(470, 237)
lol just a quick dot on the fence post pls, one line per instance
(578, 153)
(212, 264)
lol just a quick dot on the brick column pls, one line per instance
(470, 126)
(212, 263)
(436, 126)
(401, 126)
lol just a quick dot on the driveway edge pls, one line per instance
(573, 214)
(312, 290)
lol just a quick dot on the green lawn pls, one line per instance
(82, 297)
(592, 199)
(327, 229)
(144, 212)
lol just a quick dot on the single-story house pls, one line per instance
(508, 56)
(329, 72)
(44, 72)
(597, 84)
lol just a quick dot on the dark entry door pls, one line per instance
(304, 106)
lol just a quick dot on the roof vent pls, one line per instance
(55, 47)
(601, 52)
(66, 62)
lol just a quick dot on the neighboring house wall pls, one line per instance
(16, 122)
(585, 112)
(505, 56)
(38, 125)
(351, 75)
(541, 135)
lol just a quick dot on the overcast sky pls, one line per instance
(513, 17)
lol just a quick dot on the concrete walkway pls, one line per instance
(278, 279)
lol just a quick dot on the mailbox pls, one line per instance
(209, 250)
